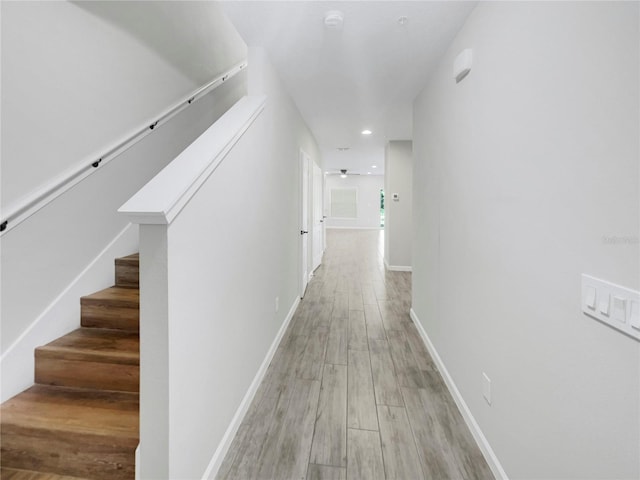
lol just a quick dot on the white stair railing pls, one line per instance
(23, 208)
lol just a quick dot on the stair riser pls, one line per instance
(83, 374)
(103, 315)
(127, 275)
(81, 455)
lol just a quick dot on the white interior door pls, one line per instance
(304, 222)
(318, 221)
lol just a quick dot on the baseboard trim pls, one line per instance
(225, 443)
(481, 440)
(62, 315)
(397, 268)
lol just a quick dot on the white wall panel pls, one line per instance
(522, 171)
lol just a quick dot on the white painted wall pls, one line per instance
(368, 187)
(73, 82)
(398, 222)
(521, 171)
(76, 76)
(213, 274)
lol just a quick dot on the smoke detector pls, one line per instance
(333, 19)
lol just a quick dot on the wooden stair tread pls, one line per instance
(95, 345)
(115, 296)
(16, 474)
(133, 259)
(71, 410)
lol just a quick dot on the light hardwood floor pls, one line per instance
(351, 392)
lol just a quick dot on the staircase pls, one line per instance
(80, 419)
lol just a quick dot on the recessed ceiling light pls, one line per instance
(366, 132)
(368, 173)
(333, 19)
(374, 166)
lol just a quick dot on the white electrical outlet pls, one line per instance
(277, 304)
(486, 388)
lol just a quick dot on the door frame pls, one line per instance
(317, 221)
(303, 272)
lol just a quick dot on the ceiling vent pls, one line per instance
(333, 19)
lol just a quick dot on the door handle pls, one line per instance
(302, 232)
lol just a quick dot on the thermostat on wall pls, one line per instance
(396, 197)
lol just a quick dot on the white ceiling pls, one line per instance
(364, 75)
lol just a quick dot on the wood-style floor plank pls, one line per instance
(337, 342)
(341, 305)
(330, 437)
(399, 452)
(375, 327)
(361, 402)
(290, 457)
(392, 318)
(258, 453)
(407, 370)
(325, 472)
(342, 284)
(445, 446)
(320, 314)
(424, 360)
(355, 300)
(309, 361)
(364, 455)
(256, 433)
(237, 450)
(384, 376)
(368, 295)
(357, 331)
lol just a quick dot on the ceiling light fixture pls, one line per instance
(374, 166)
(333, 19)
(403, 20)
(343, 149)
(366, 132)
(368, 173)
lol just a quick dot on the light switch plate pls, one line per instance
(617, 306)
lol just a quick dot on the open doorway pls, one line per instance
(382, 207)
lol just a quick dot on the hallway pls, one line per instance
(351, 391)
